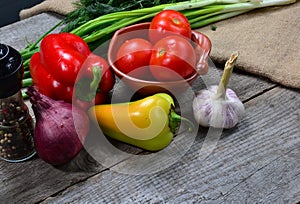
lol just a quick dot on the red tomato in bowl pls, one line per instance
(133, 57)
(173, 58)
(169, 22)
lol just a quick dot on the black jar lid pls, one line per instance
(11, 71)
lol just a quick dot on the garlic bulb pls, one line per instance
(218, 106)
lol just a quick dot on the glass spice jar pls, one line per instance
(16, 124)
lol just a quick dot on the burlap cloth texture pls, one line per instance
(268, 39)
(62, 7)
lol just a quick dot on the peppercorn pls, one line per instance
(16, 124)
(16, 131)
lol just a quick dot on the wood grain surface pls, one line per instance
(256, 162)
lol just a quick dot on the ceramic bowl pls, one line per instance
(202, 45)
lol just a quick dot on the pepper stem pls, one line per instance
(97, 73)
(175, 119)
(221, 92)
(86, 88)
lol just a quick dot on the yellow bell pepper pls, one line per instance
(148, 123)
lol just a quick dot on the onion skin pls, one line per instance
(60, 129)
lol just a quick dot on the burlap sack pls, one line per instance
(62, 7)
(268, 42)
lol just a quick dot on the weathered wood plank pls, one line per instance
(257, 162)
(63, 181)
(245, 87)
(34, 180)
(284, 176)
(19, 34)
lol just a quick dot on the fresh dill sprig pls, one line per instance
(91, 9)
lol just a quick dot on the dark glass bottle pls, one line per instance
(16, 124)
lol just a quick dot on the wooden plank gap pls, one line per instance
(260, 93)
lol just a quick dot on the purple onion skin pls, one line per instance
(60, 128)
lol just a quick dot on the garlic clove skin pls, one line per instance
(202, 104)
(212, 111)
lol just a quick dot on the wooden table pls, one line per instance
(256, 162)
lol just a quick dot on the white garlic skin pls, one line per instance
(211, 111)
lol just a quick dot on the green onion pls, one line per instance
(26, 82)
(199, 13)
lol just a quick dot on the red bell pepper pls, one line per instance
(65, 60)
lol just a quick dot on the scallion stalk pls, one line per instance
(26, 74)
(215, 17)
(110, 29)
(26, 82)
(198, 12)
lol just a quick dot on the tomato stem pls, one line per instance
(176, 21)
(161, 52)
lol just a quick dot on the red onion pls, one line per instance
(60, 128)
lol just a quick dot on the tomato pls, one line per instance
(169, 22)
(173, 58)
(133, 57)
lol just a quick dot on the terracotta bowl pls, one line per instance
(202, 45)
